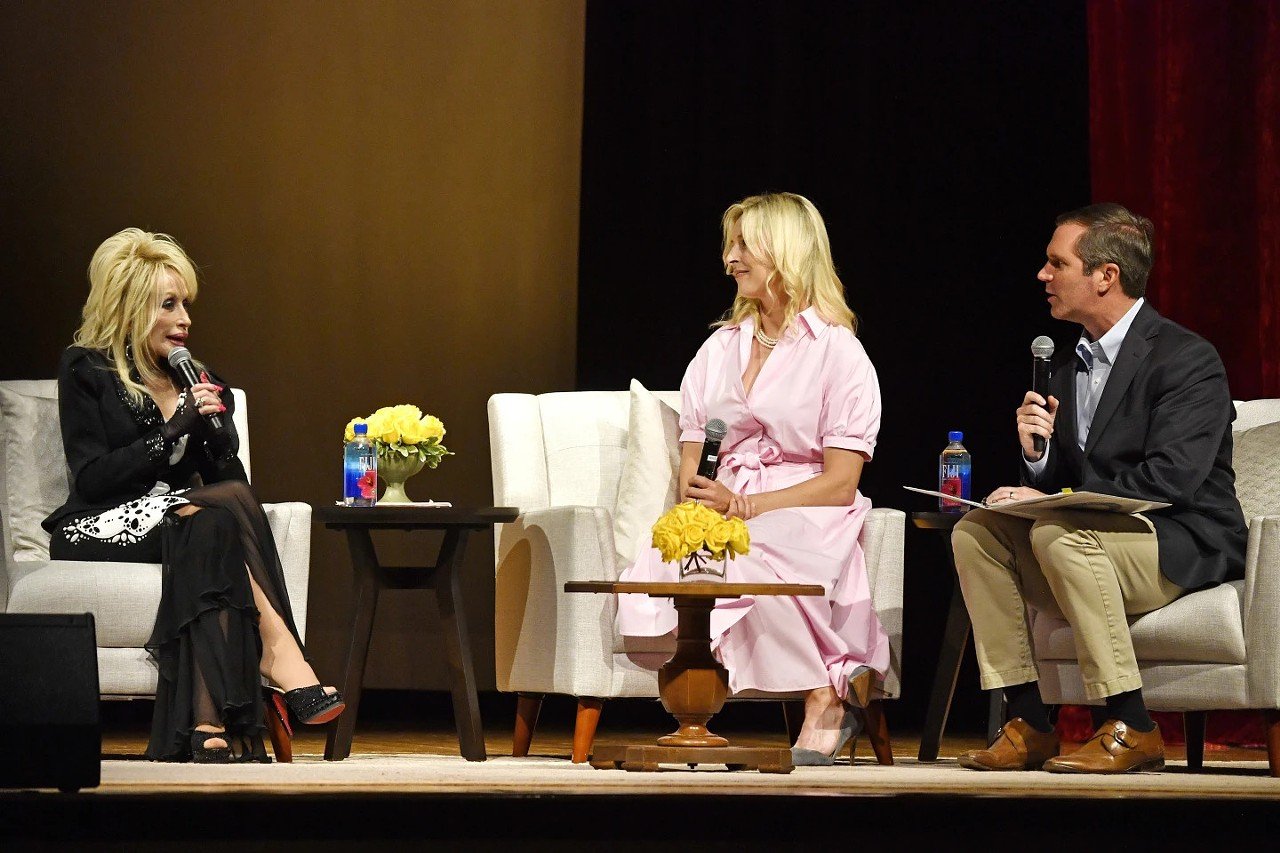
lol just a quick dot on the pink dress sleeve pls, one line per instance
(693, 396)
(850, 417)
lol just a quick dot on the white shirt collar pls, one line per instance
(1110, 342)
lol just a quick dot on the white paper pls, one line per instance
(1034, 507)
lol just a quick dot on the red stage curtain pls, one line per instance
(1185, 128)
(1184, 120)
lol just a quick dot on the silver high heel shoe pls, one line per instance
(850, 727)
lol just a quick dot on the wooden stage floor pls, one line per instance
(405, 784)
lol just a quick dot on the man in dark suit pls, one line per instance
(1139, 409)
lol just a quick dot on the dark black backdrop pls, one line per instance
(939, 140)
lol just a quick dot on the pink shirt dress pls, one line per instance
(818, 389)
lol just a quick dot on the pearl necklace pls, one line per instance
(766, 341)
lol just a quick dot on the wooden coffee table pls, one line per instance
(693, 685)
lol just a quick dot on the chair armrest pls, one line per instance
(1262, 610)
(882, 535)
(291, 526)
(545, 639)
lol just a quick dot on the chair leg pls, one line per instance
(877, 732)
(584, 727)
(1193, 723)
(527, 707)
(281, 737)
(1271, 717)
(793, 715)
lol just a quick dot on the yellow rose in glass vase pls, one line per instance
(668, 543)
(699, 539)
(740, 537)
(718, 538)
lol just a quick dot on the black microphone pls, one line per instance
(181, 361)
(716, 431)
(1041, 351)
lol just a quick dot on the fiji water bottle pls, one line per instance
(954, 468)
(360, 469)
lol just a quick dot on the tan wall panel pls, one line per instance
(383, 201)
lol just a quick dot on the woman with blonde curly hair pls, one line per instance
(153, 481)
(786, 374)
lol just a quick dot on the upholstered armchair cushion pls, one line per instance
(539, 552)
(33, 487)
(1256, 460)
(1203, 628)
(649, 482)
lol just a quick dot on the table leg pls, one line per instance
(453, 622)
(364, 563)
(693, 684)
(944, 679)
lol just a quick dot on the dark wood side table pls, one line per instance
(693, 685)
(371, 577)
(954, 639)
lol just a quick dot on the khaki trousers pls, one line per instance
(1091, 568)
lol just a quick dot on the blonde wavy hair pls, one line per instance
(125, 277)
(786, 231)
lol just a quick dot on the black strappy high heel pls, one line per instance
(200, 754)
(311, 706)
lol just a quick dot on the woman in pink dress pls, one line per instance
(787, 375)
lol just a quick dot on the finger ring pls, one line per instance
(1011, 494)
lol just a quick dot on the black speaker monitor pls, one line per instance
(50, 731)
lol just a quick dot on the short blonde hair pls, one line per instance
(786, 231)
(125, 277)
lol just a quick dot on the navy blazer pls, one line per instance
(1162, 431)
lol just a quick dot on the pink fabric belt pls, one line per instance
(746, 467)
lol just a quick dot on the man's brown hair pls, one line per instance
(1113, 235)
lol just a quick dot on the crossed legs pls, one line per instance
(1091, 569)
(282, 661)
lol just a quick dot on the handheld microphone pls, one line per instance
(180, 360)
(716, 431)
(1041, 351)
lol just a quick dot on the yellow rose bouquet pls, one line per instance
(695, 535)
(403, 432)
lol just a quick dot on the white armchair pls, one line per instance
(123, 597)
(1216, 649)
(559, 458)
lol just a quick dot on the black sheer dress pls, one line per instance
(126, 482)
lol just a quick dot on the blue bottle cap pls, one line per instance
(360, 429)
(954, 435)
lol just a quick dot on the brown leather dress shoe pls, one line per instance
(1018, 746)
(1114, 748)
